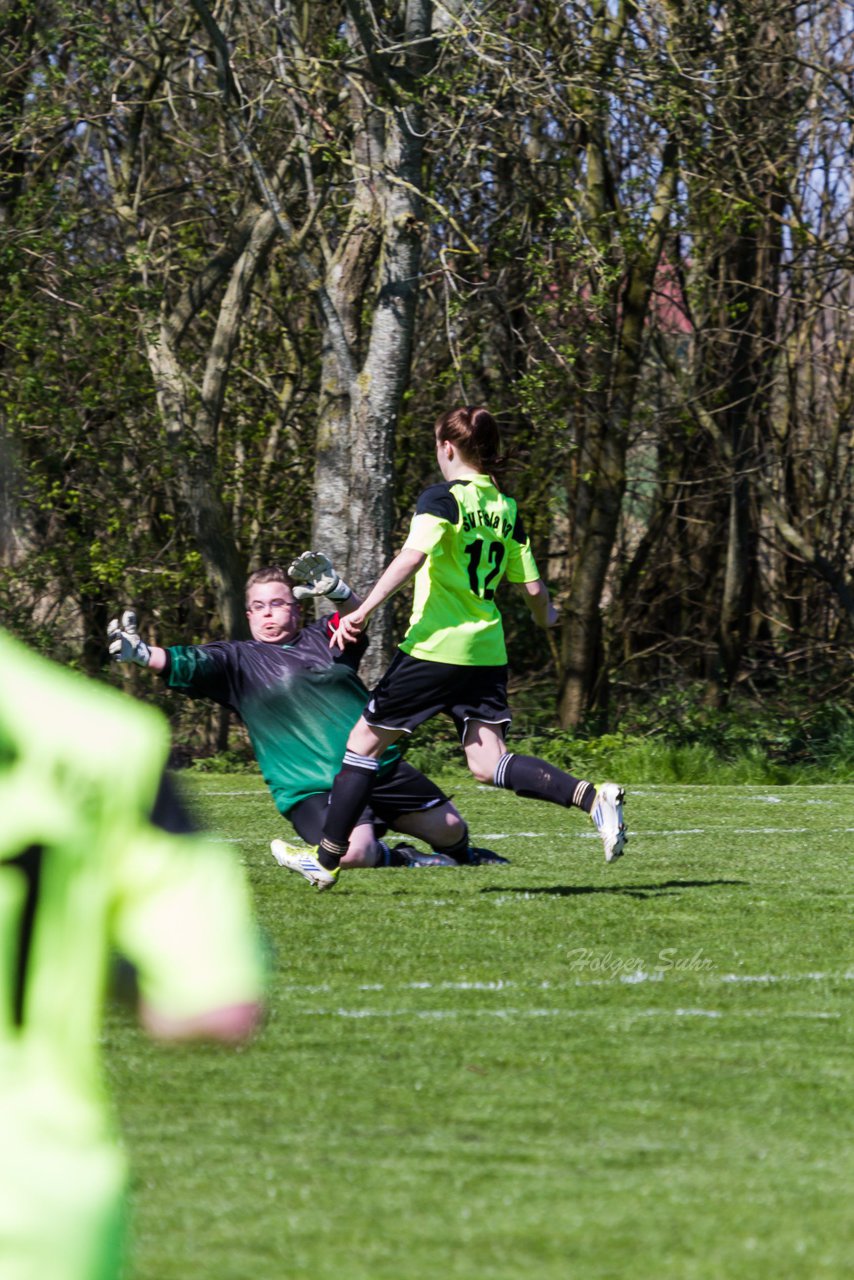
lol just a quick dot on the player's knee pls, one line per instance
(455, 827)
(481, 770)
(362, 738)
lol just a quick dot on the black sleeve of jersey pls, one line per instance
(169, 812)
(438, 501)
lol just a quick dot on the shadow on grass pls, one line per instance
(665, 889)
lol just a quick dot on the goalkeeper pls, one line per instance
(299, 701)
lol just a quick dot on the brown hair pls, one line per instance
(270, 573)
(474, 432)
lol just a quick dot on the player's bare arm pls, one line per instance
(350, 605)
(402, 569)
(540, 603)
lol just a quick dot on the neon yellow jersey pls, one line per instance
(82, 872)
(472, 535)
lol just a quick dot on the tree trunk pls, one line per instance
(19, 36)
(602, 462)
(354, 477)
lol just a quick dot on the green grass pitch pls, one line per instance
(555, 1069)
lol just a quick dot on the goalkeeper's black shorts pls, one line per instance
(401, 789)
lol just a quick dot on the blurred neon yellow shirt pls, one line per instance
(83, 872)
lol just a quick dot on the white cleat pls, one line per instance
(305, 863)
(607, 815)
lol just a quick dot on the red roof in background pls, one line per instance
(667, 307)
(667, 304)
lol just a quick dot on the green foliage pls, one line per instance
(546, 133)
(224, 762)
(795, 734)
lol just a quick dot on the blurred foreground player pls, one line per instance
(96, 854)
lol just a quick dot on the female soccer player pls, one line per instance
(464, 537)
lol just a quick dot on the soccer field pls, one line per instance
(556, 1069)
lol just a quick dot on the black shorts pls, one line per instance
(401, 790)
(412, 691)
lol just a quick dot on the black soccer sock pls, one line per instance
(329, 855)
(457, 849)
(538, 780)
(396, 858)
(351, 791)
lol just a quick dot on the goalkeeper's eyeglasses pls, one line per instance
(261, 606)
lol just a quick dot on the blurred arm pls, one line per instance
(539, 602)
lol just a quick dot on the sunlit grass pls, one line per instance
(555, 1069)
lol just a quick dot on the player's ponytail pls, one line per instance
(474, 433)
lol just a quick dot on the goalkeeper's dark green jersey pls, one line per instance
(472, 535)
(298, 701)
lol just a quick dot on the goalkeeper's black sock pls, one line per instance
(538, 780)
(456, 850)
(351, 791)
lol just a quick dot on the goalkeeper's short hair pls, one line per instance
(269, 573)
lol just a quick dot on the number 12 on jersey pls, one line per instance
(483, 571)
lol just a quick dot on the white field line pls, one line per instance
(503, 984)
(450, 1015)
(702, 788)
(795, 793)
(747, 788)
(742, 831)
(261, 793)
(634, 833)
(637, 833)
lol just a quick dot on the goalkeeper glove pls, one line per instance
(126, 644)
(314, 576)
